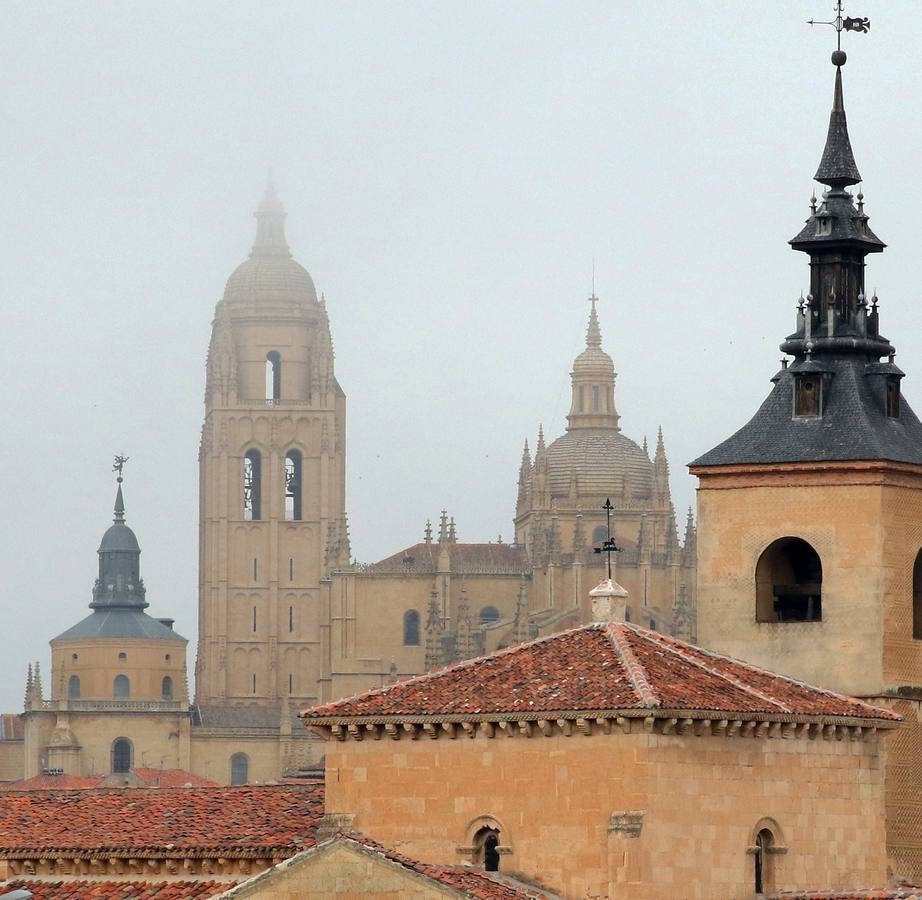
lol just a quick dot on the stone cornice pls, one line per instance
(855, 471)
(588, 722)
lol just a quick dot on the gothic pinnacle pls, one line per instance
(593, 332)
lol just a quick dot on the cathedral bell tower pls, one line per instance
(810, 516)
(272, 479)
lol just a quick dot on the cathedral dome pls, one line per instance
(593, 359)
(119, 538)
(603, 461)
(270, 279)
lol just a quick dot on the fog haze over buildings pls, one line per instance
(450, 173)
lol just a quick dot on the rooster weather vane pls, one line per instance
(608, 546)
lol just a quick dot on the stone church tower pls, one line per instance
(810, 516)
(272, 479)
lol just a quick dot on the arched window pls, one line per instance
(488, 615)
(73, 687)
(789, 578)
(762, 852)
(122, 656)
(166, 688)
(240, 768)
(121, 687)
(917, 597)
(486, 853)
(582, 401)
(122, 753)
(252, 484)
(293, 485)
(411, 628)
(273, 375)
(599, 535)
(595, 398)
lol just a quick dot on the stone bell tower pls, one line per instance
(810, 516)
(272, 479)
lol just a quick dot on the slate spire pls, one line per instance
(837, 167)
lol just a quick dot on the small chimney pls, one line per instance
(609, 602)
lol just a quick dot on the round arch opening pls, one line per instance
(789, 581)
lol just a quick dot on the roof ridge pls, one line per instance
(462, 664)
(633, 668)
(788, 678)
(736, 682)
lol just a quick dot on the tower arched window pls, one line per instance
(273, 375)
(122, 754)
(595, 398)
(239, 768)
(166, 688)
(486, 852)
(411, 628)
(252, 485)
(121, 687)
(789, 579)
(488, 615)
(73, 687)
(917, 597)
(293, 482)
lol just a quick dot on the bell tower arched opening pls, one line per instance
(789, 580)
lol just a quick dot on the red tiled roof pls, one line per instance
(118, 890)
(617, 666)
(230, 821)
(466, 879)
(148, 778)
(11, 727)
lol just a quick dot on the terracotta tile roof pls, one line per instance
(118, 890)
(617, 666)
(147, 778)
(468, 881)
(10, 727)
(169, 822)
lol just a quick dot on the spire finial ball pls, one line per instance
(839, 57)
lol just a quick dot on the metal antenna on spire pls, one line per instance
(608, 546)
(861, 24)
(593, 276)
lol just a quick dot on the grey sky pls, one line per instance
(450, 171)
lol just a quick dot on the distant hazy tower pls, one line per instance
(272, 479)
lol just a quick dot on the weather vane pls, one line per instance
(608, 546)
(840, 23)
(119, 465)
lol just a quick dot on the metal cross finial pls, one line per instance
(608, 546)
(861, 24)
(119, 466)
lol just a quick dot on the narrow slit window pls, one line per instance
(893, 398)
(291, 568)
(293, 485)
(291, 618)
(252, 485)
(166, 688)
(253, 678)
(290, 682)
(254, 620)
(273, 375)
(255, 570)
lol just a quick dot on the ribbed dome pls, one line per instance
(593, 359)
(270, 279)
(119, 539)
(602, 459)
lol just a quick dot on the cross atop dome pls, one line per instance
(270, 229)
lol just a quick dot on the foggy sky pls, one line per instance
(450, 171)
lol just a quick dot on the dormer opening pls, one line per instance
(808, 390)
(893, 397)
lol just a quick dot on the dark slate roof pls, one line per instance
(838, 164)
(854, 425)
(120, 623)
(237, 717)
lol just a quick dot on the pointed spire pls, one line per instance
(37, 693)
(27, 700)
(593, 332)
(270, 225)
(452, 533)
(646, 447)
(525, 468)
(428, 532)
(837, 167)
(443, 527)
(521, 626)
(434, 628)
(540, 447)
